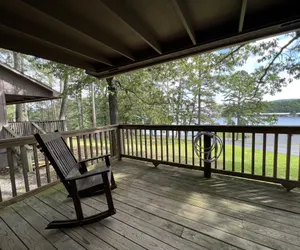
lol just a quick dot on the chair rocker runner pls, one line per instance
(78, 181)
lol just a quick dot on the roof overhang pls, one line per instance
(107, 37)
(20, 88)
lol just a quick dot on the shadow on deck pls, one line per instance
(161, 208)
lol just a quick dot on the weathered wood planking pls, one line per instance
(163, 208)
(8, 239)
(28, 235)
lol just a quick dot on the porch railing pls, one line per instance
(29, 128)
(83, 143)
(257, 152)
(264, 153)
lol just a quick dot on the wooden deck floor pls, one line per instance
(163, 208)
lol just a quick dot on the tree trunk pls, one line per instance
(18, 66)
(199, 108)
(94, 118)
(64, 88)
(80, 109)
(199, 100)
(113, 101)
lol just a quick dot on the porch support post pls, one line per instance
(207, 165)
(113, 115)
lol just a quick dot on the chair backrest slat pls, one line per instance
(58, 152)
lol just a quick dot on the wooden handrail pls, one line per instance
(219, 128)
(8, 143)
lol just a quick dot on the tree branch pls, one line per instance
(275, 57)
(231, 53)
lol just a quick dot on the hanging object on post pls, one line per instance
(206, 153)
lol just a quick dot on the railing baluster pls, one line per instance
(36, 165)
(105, 141)
(71, 144)
(136, 144)
(141, 143)
(173, 147)
(288, 156)
(186, 147)
(193, 148)
(131, 140)
(78, 147)
(224, 150)
(123, 141)
(11, 166)
(47, 170)
(215, 155)
(85, 147)
(146, 149)
(179, 146)
(275, 156)
(233, 151)
(91, 147)
(167, 144)
(151, 155)
(161, 146)
(200, 144)
(253, 154)
(155, 141)
(243, 152)
(264, 154)
(97, 145)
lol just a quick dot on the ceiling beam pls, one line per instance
(242, 15)
(125, 14)
(40, 48)
(98, 36)
(184, 17)
(25, 21)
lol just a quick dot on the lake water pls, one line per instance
(282, 121)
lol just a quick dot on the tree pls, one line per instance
(243, 100)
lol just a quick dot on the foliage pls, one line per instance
(284, 106)
(243, 101)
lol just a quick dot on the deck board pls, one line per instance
(161, 208)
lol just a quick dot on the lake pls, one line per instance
(282, 121)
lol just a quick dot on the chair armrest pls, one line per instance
(85, 175)
(94, 158)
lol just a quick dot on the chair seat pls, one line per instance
(89, 182)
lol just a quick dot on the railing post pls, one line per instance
(115, 147)
(26, 158)
(118, 143)
(207, 156)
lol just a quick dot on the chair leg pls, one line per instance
(76, 200)
(107, 191)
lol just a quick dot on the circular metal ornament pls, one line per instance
(211, 153)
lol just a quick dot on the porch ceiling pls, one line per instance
(110, 37)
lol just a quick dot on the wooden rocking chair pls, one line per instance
(78, 181)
